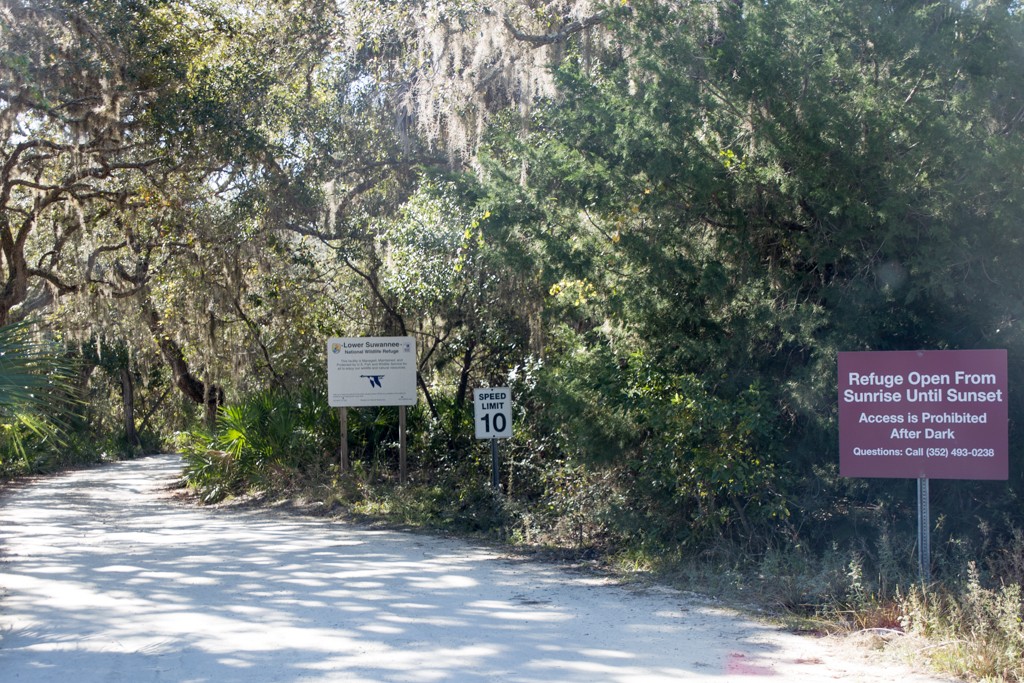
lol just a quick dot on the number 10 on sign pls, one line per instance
(500, 422)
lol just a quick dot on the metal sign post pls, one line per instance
(343, 449)
(924, 524)
(495, 462)
(402, 466)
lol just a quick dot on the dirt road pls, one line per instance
(104, 578)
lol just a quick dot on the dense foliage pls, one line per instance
(743, 193)
(658, 222)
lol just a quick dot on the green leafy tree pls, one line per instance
(139, 146)
(746, 189)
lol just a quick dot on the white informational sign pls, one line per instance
(493, 413)
(371, 371)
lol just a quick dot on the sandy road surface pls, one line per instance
(105, 579)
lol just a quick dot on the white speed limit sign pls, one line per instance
(493, 413)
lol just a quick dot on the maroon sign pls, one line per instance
(934, 414)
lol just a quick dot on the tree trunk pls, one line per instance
(128, 398)
(467, 366)
(462, 391)
(15, 286)
(210, 397)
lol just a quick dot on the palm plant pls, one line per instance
(34, 398)
(269, 435)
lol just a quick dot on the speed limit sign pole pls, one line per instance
(492, 410)
(495, 465)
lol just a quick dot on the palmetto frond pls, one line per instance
(30, 369)
(34, 383)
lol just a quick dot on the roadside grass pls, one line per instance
(966, 629)
(973, 632)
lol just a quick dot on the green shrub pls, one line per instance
(269, 440)
(691, 465)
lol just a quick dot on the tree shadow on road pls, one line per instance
(107, 581)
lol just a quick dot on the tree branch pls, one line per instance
(173, 355)
(570, 29)
(375, 288)
(255, 330)
(58, 284)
